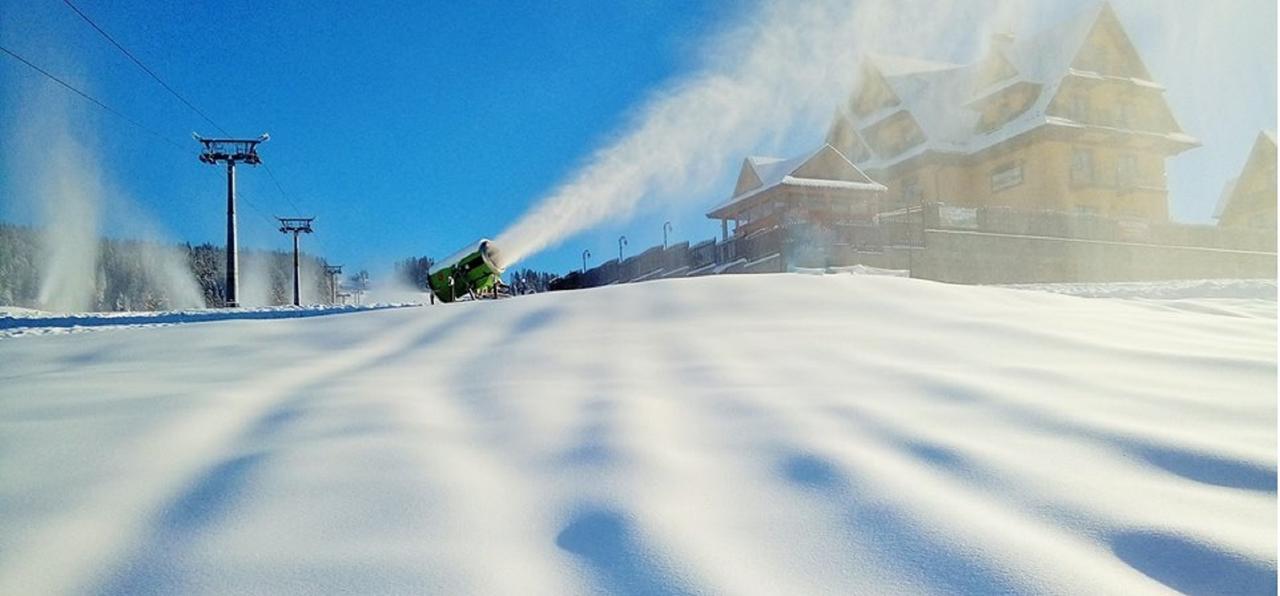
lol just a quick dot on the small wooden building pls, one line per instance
(821, 188)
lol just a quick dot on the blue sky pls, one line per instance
(414, 128)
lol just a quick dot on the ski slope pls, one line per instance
(18, 322)
(766, 434)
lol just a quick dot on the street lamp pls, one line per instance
(622, 241)
(666, 227)
(586, 254)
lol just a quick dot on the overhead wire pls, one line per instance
(123, 117)
(144, 68)
(90, 98)
(184, 101)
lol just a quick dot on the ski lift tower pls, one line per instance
(231, 152)
(333, 271)
(295, 226)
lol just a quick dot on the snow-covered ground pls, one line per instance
(762, 434)
(1192, 289)
(18, 322)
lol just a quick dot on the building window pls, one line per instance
(1082, 166)
(1006, 176)
(912, 193)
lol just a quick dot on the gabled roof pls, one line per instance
(826, 168)
(1265, 140)
(1224, 199)
(934, 93)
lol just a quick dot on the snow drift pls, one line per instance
(770, 434)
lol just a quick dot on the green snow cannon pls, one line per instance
(469, 272)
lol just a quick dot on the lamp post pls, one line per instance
(666, 227)
(586, 254)
(622, 241)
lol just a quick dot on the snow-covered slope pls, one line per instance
(17, 322)
(769, 434)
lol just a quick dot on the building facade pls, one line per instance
(1066, 120)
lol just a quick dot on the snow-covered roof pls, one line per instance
(936, 94)
(893, 65)
(824, 168)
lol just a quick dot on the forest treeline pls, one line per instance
(138, 275)
(132, 275)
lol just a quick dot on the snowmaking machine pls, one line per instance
(469, 272)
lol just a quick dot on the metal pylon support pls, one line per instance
(333, 271)
(231, 152)
(295, 226)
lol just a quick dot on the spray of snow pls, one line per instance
(164, 262)
(786, 65)
(63, 187)
(68, 186)
(256, 287)
(393, 289)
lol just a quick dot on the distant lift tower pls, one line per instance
(295, 226)
(333, 271)
(231, 151)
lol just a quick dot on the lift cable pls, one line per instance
(90, 98)
(143, 66)
(177, 95)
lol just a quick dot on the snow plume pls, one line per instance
(58, 186)
(392, 288)
(787, 65)
(62, 187)
(256, 285)
(164, 263)
(67, 190)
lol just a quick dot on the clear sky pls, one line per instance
(413, 128)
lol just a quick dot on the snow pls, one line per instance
(753, 434)
(17, 322)
(1191, 289)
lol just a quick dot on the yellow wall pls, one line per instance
(1046, 163)
(1047, 182)
(896, 134)
(1004, 107)
(875, 95)
(1104, 105)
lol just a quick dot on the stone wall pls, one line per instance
(988, 258)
